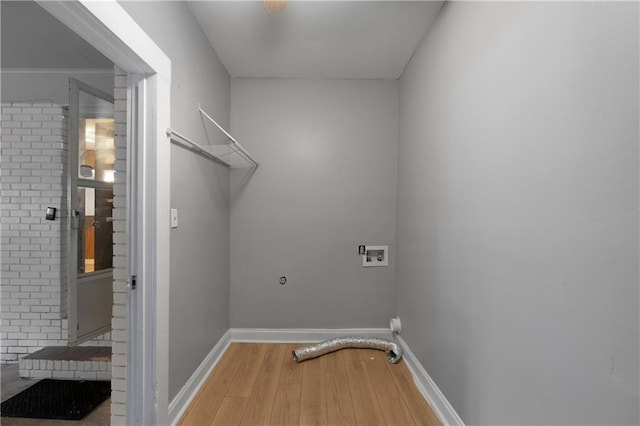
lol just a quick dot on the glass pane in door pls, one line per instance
(96, 150)
(95, 229)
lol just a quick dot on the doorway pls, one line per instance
(140, 386)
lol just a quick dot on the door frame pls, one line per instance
(110, 29)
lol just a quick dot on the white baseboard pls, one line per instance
(181, 402)
(303, 335)
(428, 388)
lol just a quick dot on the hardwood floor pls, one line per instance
(260, 384)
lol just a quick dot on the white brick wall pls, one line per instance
(62, 369)
(33, 283)
(120, 271)
(34, 151)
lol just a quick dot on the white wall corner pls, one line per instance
(441, 407)
(181, 402)
(302, 335)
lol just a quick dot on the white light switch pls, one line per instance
(174, 218)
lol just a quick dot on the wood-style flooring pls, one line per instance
(260, 384)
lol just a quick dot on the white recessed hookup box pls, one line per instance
(375, 256)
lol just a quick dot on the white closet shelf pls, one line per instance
(231, 154)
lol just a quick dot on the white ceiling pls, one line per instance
(309, 39)
(316, 39)
(32, 38)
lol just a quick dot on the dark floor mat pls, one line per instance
(57, 399)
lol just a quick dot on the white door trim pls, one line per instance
(110, 29)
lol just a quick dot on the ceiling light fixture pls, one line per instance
(274, 6)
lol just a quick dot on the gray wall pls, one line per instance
(47, 85)
(199, 304)
(326, 183)
(518, 211)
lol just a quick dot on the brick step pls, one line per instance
(61, 362)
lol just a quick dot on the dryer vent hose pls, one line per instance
(394, 352)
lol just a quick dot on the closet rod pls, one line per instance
(240, 148)
(172, 134)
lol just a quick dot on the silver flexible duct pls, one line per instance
(394, 352)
